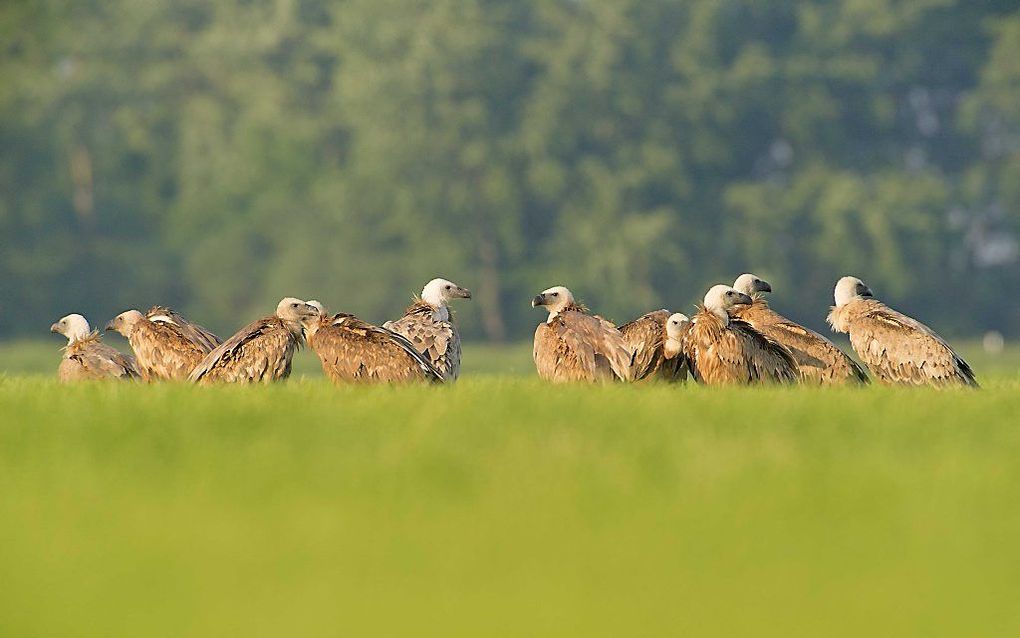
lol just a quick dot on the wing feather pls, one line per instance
(901, 350)
(196, 334)
(352, 350)
(436, 339)
(576, 346)
(818, 359)
(262, 351)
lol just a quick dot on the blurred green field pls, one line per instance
(505, 507)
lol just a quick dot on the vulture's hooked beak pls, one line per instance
(55, 328)
(109, 325)
(539, 300)
(865, 292)
(463, 293)
(765, 287)
(743, 299)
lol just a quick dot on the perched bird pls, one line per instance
(428, 324)
(353, 351)
(647, 338)
(896, 348)
(722, 350)
(166, 345)
(86, 357)
(573, 345)
(677, 327)
(819, 360)
(262, 351)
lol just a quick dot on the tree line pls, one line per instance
(218, 155)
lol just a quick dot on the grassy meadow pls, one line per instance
(505, 507)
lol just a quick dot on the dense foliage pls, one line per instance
(220, 155)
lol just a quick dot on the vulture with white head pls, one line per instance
(428, 324)
(86, 358)
(262, 351)
(354, 351)
(573, 345)
(722, 350)
(896, 348)
(166, 345)
(819, 360)
(648, 338)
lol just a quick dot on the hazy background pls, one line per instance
(218, 155)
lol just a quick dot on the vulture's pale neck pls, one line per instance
(721, 313)
(440, 307)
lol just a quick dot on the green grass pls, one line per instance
(505, 507)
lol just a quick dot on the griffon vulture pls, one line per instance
(573, 345)
(262, 351)
(428, 324)
(166, 345)
(86, 357)
(722, 350)
(654, 353)
(896, 348)
(353, 351)
(819, 360)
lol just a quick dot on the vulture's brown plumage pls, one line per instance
(647, 338)
(354, 351)
(723, 351)
(262, 351)
(428, 324)
(573, 345)
(86, 357)
(819, 360)
(166, 345)
(896, 348)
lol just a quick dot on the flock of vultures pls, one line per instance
(734, 338)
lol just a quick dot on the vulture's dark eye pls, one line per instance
(448, 287)
(556, 294)
(293, 305)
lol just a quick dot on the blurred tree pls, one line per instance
(218, 155)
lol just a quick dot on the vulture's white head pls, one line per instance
(554, 300)
(315, 303)
(438, 293)
(74, 327)
(721, 298)
(295, 311)
(850, 288)
(125, 322)
(751, 284)
(675, 325)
